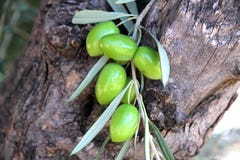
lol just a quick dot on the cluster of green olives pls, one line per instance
(105, 39)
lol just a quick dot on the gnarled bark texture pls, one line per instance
(202, 40)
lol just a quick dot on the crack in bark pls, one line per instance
(204, 67)
(211, 127)
(46, 72)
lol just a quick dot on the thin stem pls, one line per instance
(102, 147)
(134, 77)
(126, 20)
(129, 93)
(156, 144)
(135, 138)
(143, 113)
(148, 136)
(123, 150)
(155, 151)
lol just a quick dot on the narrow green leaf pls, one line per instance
(161, 142)
(123, 150)
(91, 74)
(102, 147)
(142, 83)
(117, 7)
(165, 65)
(132, 7)
(102, 120)
(123, 1)
(95, 16)
(120, 8)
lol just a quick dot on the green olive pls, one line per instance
(130, 95)
(147, 62)
(124, 123)
(96, 33)
(118, 47)
(111, 81)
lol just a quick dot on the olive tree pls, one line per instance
(201, 39)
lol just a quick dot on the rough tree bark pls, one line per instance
(202, 39)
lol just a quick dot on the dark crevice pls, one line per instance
(46, 72)
(87, 109)
(199, 107)
(44, 99)
(85, 112)
(210, 128)
(141, 4)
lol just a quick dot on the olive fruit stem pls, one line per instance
(148, 137)
(166, 152)
(143, 113)
(123, 150)
(156, 153)
(135, 137)
(102, 147)
(126, 20)
(146, 132)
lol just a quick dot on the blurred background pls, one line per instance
(16, 20)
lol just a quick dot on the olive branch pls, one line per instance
(154, 145)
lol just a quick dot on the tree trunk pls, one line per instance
(202, 40)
